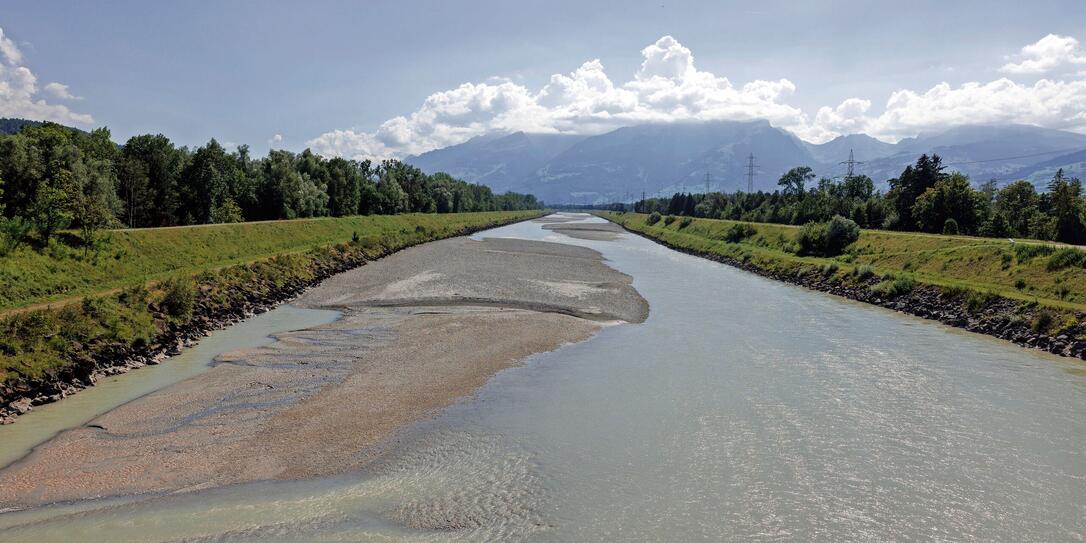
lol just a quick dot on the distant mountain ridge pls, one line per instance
(664, 158)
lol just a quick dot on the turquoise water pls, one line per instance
(45, 421)
(742, 409)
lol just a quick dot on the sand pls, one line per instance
(419, 330)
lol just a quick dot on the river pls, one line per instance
(742, 409)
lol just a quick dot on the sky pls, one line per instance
(387, 79)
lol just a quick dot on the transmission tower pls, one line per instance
(706, 183)
(750, 173)
(851, 163)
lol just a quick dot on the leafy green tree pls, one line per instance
(951, 198)
(913, 182)
(1017, 202)
(1065, 205)
(794, 181)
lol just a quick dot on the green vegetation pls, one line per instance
(828, 238)
(53, 178)
(127, 257)
(924, 198)
(197, 271)
(1023, 271)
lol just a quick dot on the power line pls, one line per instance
(851, 162)
(1014, 157)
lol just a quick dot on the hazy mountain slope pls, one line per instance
(501, 161)
(664, 158)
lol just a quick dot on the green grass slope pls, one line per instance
(1049, 274)
(31, 276)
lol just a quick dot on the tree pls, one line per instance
(912, 183)
(795, 180)
(1065, 205)
(951, 198)
(1017, 203)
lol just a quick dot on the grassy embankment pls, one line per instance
(1045, 275)
(142, 283)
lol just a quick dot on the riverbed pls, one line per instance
(741, 409)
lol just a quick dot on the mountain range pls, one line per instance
(666, 158)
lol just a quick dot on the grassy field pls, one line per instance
(1049, 274)
(31, 276)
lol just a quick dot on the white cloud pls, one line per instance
(19, 91)
(668, 87)
(276, 139)
(61, 91)
(1047, 54)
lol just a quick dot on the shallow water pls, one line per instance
(45, 421)
(741, 409)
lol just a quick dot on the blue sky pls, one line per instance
(388, 78)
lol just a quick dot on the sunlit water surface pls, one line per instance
(743, 409)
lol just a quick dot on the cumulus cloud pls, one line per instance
(1047, 54)
(19, 94)
(669, 87)
(275, 140)
(61, 91)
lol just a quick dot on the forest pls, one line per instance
(924, 198)
(55, 178)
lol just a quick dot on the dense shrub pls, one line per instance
(1027, 251)
(739, 232)
(653, 218)
(894, 286)
(669, 219)
(1043, 321)
(178, 298)
(686, 221)
(1066, 258)
(950, 227)
(863, 272)
(828, 238)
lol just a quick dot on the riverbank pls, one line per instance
(50, 353)
(885, 273)
(420, 329)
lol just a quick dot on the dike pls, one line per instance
(1003, 318)
(92, 362)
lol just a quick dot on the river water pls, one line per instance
(742, 409)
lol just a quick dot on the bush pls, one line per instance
(669, 219)
(950, 227)
(1043, 321)
(863, 272)
(739, 232)
(1027, 251)
(653, 218)
(178, 298)
(828, 238)
(1066, 258)
(975, 301)
(685, 222)
(896, 286)
(1020, 284)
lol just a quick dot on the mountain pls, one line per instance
(861, 145)
(11, 126)
(982, 152)
(666, 158)
(501, 161)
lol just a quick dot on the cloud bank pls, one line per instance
(668, 87)
(19, 94)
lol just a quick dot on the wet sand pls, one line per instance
(420, 329)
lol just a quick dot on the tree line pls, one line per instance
(54, 178)
(924, 198)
